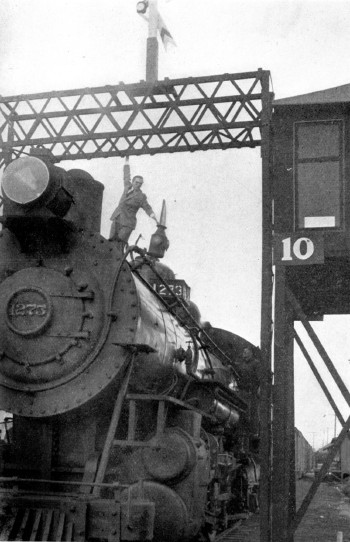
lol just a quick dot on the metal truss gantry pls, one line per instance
(189, 114)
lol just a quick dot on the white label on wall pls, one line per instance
(319, 222)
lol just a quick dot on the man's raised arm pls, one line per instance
(126, 171)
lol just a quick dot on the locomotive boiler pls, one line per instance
(128, 418)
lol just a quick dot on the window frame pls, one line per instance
(340, 160)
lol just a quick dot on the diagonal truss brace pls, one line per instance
(174, 115)
(319, 378)
(318, 345)
(345, 392)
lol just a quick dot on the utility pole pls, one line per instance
(152, 43)
(313, 433)
(148, 9)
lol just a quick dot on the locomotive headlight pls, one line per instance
(25, 180)
(30, 182)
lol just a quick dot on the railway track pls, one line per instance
(245, 530)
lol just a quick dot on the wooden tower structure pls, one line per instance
(311, 179)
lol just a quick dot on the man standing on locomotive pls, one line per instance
(133, 199)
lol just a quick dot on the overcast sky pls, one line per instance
(213, 198)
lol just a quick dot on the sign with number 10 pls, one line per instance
(298, 249)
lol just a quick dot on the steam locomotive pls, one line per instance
(129, 422)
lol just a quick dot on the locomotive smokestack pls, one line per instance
(159, 241)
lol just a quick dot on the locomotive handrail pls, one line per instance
(199, 328)
(110, 312)
(16, 480)
(168, 399)
(169, 307)
(179, 302)
(113, 425)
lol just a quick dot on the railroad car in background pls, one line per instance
(304, 455)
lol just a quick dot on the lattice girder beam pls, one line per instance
(174, 115)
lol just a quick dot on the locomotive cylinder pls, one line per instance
(171, 456)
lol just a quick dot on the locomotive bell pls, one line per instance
(159, 242)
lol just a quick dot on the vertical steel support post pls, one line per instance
(291, 412)
(283, 447)
(10, 139)
(266, 312)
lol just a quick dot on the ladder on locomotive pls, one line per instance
(195, 329)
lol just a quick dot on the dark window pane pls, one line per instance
(318, 140)
(319, 195)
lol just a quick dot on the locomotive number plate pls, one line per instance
(178, 287)
(28, 311)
